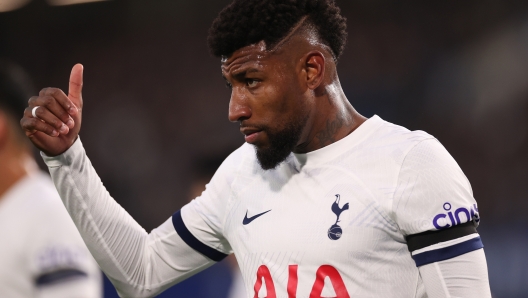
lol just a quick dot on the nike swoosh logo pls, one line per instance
(252, 218)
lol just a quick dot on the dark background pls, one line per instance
(156, 105)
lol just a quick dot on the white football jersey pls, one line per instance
(42, 253)
(352, 219)
(383, 212)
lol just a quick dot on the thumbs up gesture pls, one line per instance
(53, 119)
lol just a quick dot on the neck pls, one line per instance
(333, 119)
(15, 166)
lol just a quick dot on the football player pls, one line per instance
(320, 201)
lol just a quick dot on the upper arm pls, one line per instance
(201, 222)
(438, 216)
(434, 205)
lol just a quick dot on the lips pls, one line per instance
(250, 134)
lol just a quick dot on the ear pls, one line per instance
(314, 64)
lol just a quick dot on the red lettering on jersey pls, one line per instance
(292, 281)
(263, 272)
(335, 278)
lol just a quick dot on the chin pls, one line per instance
(269, 158)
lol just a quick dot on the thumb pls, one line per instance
(76, 83)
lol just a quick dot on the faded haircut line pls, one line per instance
(243, 23)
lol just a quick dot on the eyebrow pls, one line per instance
(239, 74)
(244, 71)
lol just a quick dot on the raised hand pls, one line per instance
(58, 116)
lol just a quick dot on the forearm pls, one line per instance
(138, 264)
(464, 276)
(115, 240)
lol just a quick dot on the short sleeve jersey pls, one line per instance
(352, 219)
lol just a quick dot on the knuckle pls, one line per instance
(28, 122)
(63, 115)
(56, 123)
(32, 100)
(47, 100)
(49, 91)
(40, 112)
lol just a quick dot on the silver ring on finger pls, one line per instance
(33, 111)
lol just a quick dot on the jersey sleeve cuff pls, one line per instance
(432, 255)
(434, 246)
(193, 242)
(66, 158)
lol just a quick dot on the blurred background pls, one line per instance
(155, 118)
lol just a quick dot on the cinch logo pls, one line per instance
(453, 218)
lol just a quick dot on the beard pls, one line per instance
(282, 141)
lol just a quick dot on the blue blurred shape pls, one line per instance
(212, 282)
(506, 248)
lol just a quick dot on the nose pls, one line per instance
(239, 108)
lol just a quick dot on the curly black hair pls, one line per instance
(245, 22)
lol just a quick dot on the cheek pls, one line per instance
(270, 102)
(278, 100)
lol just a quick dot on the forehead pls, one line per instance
(255, 55)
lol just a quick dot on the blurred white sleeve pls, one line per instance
(138, 264)
(464, 276)
(65, 270)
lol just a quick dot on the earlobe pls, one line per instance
(315, 69)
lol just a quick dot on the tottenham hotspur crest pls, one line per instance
(335, 231)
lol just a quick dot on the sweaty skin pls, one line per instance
(273, 88)
(292, 81)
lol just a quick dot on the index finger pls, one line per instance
(61, 98)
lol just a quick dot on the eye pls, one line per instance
(251, 83)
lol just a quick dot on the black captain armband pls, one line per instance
(435, 246)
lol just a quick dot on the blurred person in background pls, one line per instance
(42, 253)
(329, 195)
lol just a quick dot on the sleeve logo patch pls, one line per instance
(456, 217)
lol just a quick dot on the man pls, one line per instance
(331, 204)
(42, 253)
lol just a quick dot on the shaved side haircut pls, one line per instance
(244, 22)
